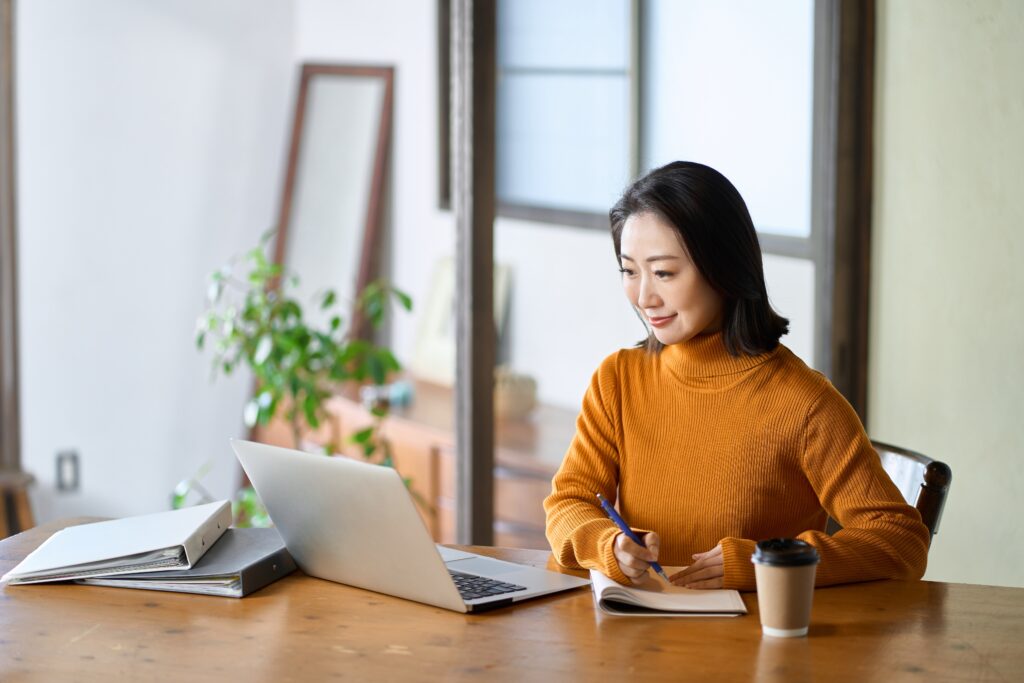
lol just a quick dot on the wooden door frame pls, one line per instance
(10, 418)
(850, 249)
(473, 86)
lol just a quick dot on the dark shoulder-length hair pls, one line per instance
(714, 226)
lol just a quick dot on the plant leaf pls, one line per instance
(251, 414)
(362, 436)
(263, 349)
(214, 290)
(310, 407)
(376, 369)
(404, 299)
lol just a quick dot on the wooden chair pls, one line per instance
(15, 510)
(923, 482)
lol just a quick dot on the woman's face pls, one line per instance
(663, 283)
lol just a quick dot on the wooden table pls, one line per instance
(305, 629)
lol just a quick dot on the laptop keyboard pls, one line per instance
(472, 586)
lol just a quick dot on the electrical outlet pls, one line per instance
(68, 478)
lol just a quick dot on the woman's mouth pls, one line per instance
(661, 321)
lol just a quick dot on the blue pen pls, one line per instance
(621, 523)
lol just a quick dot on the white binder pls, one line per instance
(174, 539)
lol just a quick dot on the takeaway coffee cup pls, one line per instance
(785, 569)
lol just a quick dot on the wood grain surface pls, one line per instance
(306, 629)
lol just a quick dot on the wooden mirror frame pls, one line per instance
(371, 233)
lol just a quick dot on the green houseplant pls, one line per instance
(252, 320)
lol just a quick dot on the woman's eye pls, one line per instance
(662, 274)
(626, 271)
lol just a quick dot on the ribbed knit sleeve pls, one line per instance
(882, 536)
(579, 532)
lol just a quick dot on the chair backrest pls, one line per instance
(923, 482)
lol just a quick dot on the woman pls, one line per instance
(713, 435)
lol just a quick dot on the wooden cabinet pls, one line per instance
(422, 441)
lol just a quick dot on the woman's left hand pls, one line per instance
(706, 571)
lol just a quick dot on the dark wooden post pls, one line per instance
(473, 28)
(10, 434)
(853, 196)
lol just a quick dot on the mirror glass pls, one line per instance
(331, 211)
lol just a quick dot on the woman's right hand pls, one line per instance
(634, 559)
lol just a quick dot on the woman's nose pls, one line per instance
(648, 296)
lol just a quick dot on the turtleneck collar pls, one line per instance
(706, 356)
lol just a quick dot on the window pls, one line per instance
(565, 74)
(730, 84)
(592, 93)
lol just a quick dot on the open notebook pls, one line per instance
(652, 597)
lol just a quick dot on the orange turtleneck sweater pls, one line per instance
(704, 447)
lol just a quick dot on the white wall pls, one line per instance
(947, 326)
(150, 140)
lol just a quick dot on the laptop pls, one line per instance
(355, 523)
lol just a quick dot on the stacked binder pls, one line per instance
(190, 550)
